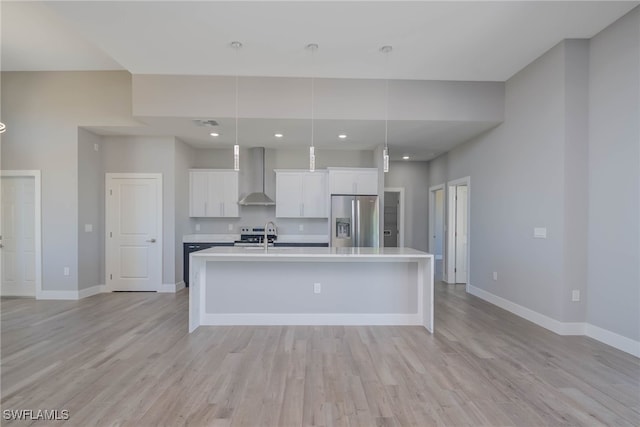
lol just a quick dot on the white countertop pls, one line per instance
(230, 238)
(254, 254)
(210, 238)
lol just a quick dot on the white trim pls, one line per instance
(614, 340)
(310, 319)
(73, 295)
(450, 236)
(93, 290)
(171, 287)
(160, 239)
(38, 218)
(400, 214)
(561, 328)
(432, 221)
(58, 295)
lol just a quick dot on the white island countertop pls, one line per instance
(258, 253)
(310, 286)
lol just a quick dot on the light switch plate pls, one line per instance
(88, 228)
(230, 227)
(575, 295)
(301, 227)
(317, 288)
(540, 232)
(197, 227)
(495, 275)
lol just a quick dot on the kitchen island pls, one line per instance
(311, 286)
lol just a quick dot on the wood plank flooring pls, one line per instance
(127, 359)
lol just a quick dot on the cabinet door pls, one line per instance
(342, 182)
(215, 194)
(230, 206)
(198, 184)
(289, 195)
(314, 195)
(367, 182)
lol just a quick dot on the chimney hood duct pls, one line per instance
(256, 169)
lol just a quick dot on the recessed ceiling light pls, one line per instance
(342, 136)
(405, 157)
(278, 135)
(214, 134)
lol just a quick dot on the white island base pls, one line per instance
(311, 286)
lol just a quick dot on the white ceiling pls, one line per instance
(475, 41)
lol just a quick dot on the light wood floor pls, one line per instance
(127, 359)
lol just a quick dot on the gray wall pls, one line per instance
(150, 155)
(414, 178)
(284, 97)
(614, 178)
(90, 210)
(44, 111)
(517, 183)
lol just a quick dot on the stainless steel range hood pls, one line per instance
(255, 169)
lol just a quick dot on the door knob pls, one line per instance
(151, 240)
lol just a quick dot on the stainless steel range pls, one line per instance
(254, 236)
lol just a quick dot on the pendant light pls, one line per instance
(236, 148)
(385, 153)
(312, 151)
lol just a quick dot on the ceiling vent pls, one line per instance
(205, 123)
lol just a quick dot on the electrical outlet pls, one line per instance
(575, 295)
(540, 232)
(317, 288)
(96, 147)
(495, 275)
(301, 227)
(230, 227)
(66, 271)
(197, 227)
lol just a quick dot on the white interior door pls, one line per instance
(461, 234)
(134, 232)
(18, 237)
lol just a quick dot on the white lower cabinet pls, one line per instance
(301, 194)
(213, 193)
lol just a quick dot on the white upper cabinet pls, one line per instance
(213, 193)
(301, 194)
(361, 181)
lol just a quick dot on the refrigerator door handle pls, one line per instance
(358, 242)
(354, 226)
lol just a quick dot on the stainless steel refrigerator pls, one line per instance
(355, 221)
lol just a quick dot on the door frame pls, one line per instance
(107, 263)
(450, 230)
(36, 175)
(432, 223)
(400, 213)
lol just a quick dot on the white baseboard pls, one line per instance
(614, 340)
(71, 295)
(561, 328)
(94, 290)
(57, 295)
(310, 319)
(170, 287)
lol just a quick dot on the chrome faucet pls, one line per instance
(266, 232)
